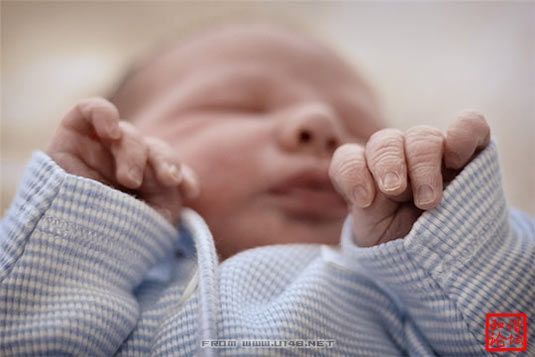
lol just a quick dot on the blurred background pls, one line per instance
(427, 60)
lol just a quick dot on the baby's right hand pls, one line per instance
(396, 176)
(92, 142)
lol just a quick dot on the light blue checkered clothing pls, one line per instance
(87, 270)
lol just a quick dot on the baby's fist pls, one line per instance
(398, 174)
(92, 142)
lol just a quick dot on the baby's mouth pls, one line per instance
(309, 195)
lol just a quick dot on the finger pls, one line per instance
(350, 175)
(166, 200)
(385, 156)
(468, 134)
(96, 156)
(166, 168)
(189, 187)
(94, 115)
(384, 220)
(72, 163)
(423, 149)
(88, 151)
(130, 154)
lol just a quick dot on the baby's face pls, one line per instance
(257, 113)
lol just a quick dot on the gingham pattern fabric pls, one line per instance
(87, 270)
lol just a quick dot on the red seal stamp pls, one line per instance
(506, 332)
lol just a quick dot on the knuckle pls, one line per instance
(130, 131)
(423, 155)
(470, 115)
(144, 150)
(459, 139)
(159, 152)
(157, 145)
(386, 157)
(423, 139)
(384, 153)
(418, 146)
(467, 132)
(423, 133)
(346, 171)
(346, 152)
(100, 105)
(154, 148)
(388, 132)
(152, 141)
(387, 150)
(387, 163)
(384, 139)
(470, 120)
(423, 168)
(349, 169)
(132, 167)
(425, 175)
(348, 161)
(133, 144)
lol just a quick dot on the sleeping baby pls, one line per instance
(239, 193)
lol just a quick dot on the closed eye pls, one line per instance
(238, 107)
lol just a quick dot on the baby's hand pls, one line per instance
(92, 142)
(397, 175)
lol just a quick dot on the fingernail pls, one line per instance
(360, 195)
(135, 175)
(174, 172)
(391, 181)
(425, 194)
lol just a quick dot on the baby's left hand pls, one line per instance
(390, 181)
(92, 142)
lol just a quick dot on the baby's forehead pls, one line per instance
(275, 47)
(269, 48)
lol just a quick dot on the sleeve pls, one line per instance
(71, 252)
(466, 258)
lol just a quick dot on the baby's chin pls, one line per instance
(256, 229)
(310, 230)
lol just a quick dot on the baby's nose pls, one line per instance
(311, 128)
